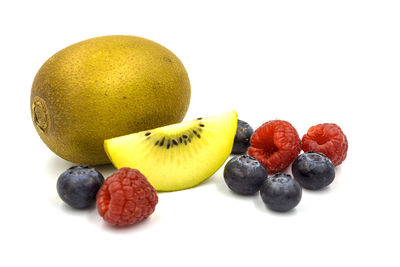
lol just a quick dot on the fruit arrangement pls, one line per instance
(276, 145)
(121, 99)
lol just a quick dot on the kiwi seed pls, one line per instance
(171, 141)
(195, 132)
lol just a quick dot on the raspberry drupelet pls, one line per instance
(276, 145)
(328, 139)
(126, 197)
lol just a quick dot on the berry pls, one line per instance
(78, 186)
(276, 145)
(281, 192)
(126, 197)
(244, 175)
(242, 138)
(326, 138)
(313, 170)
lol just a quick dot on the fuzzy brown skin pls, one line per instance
(106, 87)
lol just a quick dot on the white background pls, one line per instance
(306, 62)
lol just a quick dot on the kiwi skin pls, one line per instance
(106, 87)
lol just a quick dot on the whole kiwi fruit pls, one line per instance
(106, 87)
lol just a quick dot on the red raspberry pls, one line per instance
(276, 145)
(126, 197)
(326, 138)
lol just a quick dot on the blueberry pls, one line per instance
(78, 186)
(244, 174)
(242, 138)
(281, 192)
(313, 170)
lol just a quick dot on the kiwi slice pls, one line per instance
(176, 156)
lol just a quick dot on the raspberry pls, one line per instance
(276, 145)
(328, 139)
(126, 197)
